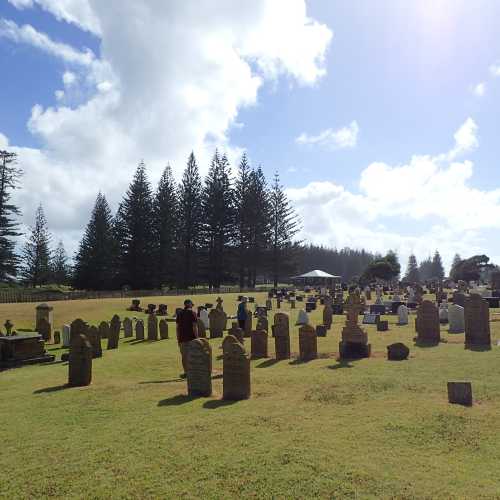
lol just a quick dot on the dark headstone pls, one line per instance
(460, 393)
(236, 370)
(281, 341)
(427, 324)
(308, 343)
(382, 326)
(152, 327)
(321, 330)
(139, 329)
(163, 326)
(258, 344)
(199, 368)
(80, 360)
(95, 341)
(397, 352)
(114, 332)
(477, 322)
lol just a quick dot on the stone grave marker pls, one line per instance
(80, 358)
(460, 393)
(258, 344)
(354, 341)
(302, 318)
(202, 331)
(199, 368)
(327, 315)
(139, 329)
(152, 327)
(383, 326)
(236, 370)
(248, 325)
(163, 326)
(321, 330)
(104, 329)
(443, 313)
(262, 324)
(237, 332)
(66, 335)
(371, 319)
(281, 334)
(114, 332)
(477, 322)
(459, 298)
(95, 341)
(57, 337)
(427, 324)
(44, 329)
(397, 352)
(308, 343)
(127, 328)
(402, 315)
(456, 319)
(44, 312)
(217, 319)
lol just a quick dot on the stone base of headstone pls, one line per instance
(460, 393)
(397, 352)
(477, 347)
(383, 326)
(321, 330)
(354, 350)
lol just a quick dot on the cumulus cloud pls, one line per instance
(479, 90)
(342, 138)
(431, 194)
(495, 70)
(170, 77)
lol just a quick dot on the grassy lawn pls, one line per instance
(367, 429)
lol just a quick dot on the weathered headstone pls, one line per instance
(57, 337)
(456, 319)
(104, 329)
(477, 322)
(281, 336)
(139, 329)
(258, 344)
(354, 343)
(427, 324)
(66, 335)
(397, 352)
(443, 313)
(163, 326)
(217, 318)
(460, 393)
(199, 368)
(95, 341)
(459, 298)
(114, 332)
(308, 343)
(44, 312)
(262, 324)
(382, 326)
(80, 360)
(402, 315)
(302, 318)
(152, 327)
(127, 328)
(269, 304)
(236, 370)
(248, 325)
(327, 315)
(202, 331)
(237, 332)
(282, 319)
(321, 330)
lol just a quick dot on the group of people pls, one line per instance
(187, 326)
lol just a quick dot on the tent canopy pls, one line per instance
(316, 274)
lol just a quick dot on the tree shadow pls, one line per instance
(341, 363)
(266, 364)
(213, 404)
(178, 400)
(51, 389)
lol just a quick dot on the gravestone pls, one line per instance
(397, 352)
(354, 343)
(44, 312)
(80, 360)
(262, 324)
(235, 370)
(258, 344)
(66, 335)
(152, 327)
(327, 315)
(202, 331)
(371, 319)
(321, 330)
(402, 315)
(427, 324)
(302, 318)
(495, 280)
(382, 326)
(237, 332)
(281, 336)
(269, 304)
(139, 329)
(459, 298)
(163, 327)
(460, 393)
(292, 304)
(205, 319)
(44, 329)
(199, 368)
(308, 343)
(456, 319)
(248, 325)
(114, 332)
(477, 322)
(443, 313)
(95, 341)
(57, 337)
(151, 309)
(282, 319)
(104, 329)
(162, 310)
(127, 328)
(217, 318)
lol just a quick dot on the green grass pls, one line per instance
(363, 429)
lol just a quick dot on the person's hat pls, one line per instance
(188, 302)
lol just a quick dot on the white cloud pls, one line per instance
(170, 77)
(345, 137)
(69, 78)
(425, 204)
(479, 90)
(495, 70)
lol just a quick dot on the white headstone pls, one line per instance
(303, 318)
(456, 319)
(204, 318)
(443, 312)
(402, 315)
(66, 334)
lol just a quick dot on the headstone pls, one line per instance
(281, 336)
(80, 360)
(443, 313)
(262, 324)
(459, 298)
(354, 343)
(151, 309)
(456, 319)
(302, 318)
(152, 327)
(8, 327)
(382, 326)
(135, 306)
(139, 329)
(460, 393)
(162, 310)
(397, 352)
(218, 320)
(308, 343)
(204, 318)
(327, 315)
(66, 333)
(57, 337)
(248, 325)
(237, 332)
(104, 329)
(321, 330)
(258, 344)
(495, 280)
(371, 319)
(44, 329)
(127, 328)
(95, 341)
(477, 322)
(269, 304)
(236, 370)
(44, 311)
(163, 326)
(199, 368)
(402, 315)
(282, 319)
(427, 324)
(292, 304)
(202, 331)
(114, 332)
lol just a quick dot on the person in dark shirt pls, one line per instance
(242, 313)
(187, 330)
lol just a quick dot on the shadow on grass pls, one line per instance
(266, 364)
(215, 377)
(298, 361)
(163, 381)
(342, 363)
(135, 341)
(477, 348)
(178, 400)
(213, 404)
(56, 388)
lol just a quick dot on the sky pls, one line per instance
(380, 117)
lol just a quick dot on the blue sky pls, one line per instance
(355, 104)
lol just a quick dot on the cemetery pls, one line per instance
(315, 402)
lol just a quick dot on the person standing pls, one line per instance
(187, 330)
(242, 313)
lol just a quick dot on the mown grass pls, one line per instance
(364, 429)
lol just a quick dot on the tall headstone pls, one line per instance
(258, 344)
(236, 370)
(354, 342)
(327, 315)
(127, 328)
(281, 334)
(237, 332)
(218, 320)
(202, 330)
(199, 368)
(95, 341)
(152, 327)
(139, 329)
(308, 343)
(269, 304)
(456, 319)
(248, 325)
(262, 324)
(104, 329)
(80, 357)
(114, 332)
(44, 329)
(477, 322)
(282, 319)
(44, 311)
(204, 317)
(402, 315)
(459, 298)
(163, 326)
(427, 324)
